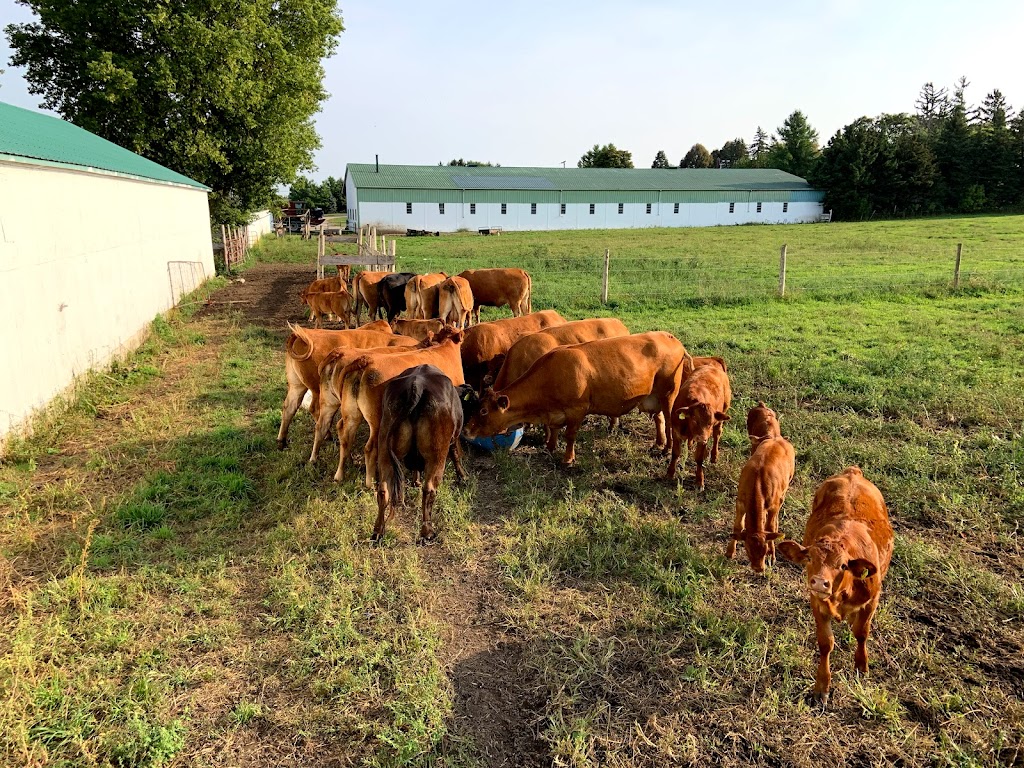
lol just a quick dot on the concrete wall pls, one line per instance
(261, 223)
(87, 260)
(548, 216)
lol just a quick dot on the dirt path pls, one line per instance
(494, 703)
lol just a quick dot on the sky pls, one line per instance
(538, 83)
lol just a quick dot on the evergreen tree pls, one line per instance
(660, 160)
(759, 148)
(795, 150)
(932, 106)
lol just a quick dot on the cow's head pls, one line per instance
(762, 424)
(694, 421)
(828, 565)
(489, 417)
(759, 547)
(470, 401)
(449, 332)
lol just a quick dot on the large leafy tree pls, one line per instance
(796, 147)
(661, 160)
(223, 92)
(606, 157)
(733, 154)
(697, 157)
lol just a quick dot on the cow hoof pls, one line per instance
(819, 699)
(282, 444)
(426, 538)
(377, 538)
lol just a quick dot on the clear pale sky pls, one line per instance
(536, 83)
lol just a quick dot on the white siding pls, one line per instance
(577, 215)
(86, 262)
(260, 223)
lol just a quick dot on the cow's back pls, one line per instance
(486, 340)
(496, 286)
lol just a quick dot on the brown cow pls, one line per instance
(607, 377)
(417, 329)
(306, 349)
(764, 480)
(421, 295)
(762, 424)
(483, 351)
(362, 388)
(419, 427)
(847, 547)
(455, 301)
(498, 288)
(699, 411)
(364, 288)
(321, 303)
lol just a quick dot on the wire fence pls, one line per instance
(629, 278)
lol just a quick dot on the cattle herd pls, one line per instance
(421, 382)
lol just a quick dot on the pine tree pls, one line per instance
(660, 160)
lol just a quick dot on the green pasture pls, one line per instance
(175, 591)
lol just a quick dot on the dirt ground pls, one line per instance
(494, 697)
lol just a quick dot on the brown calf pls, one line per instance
(322, 303)
(483, 351)
(762, 424)
(764, 480)
(698, 414)
(306, 349)
(364, 288)
(421, 295)
(607, 377)
(362, 390)
(455, 301)
(847, 547)
(417, 329)
(498, 288)
(420, 423)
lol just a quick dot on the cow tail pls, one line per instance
(401, 411)
(298, 334)
(529, 294)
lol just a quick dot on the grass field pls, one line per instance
(175, 591)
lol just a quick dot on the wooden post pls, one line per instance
(224, 240)
(394, 264)
(782, 271)
(604, 288)
(956, 270)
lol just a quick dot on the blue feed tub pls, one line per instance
(507, 441)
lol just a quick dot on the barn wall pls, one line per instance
(86, 262)
(261, 223)
(518, 216)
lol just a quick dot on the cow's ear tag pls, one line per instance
(467, 396)
(865, 573)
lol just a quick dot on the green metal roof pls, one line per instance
(365, 175)
(27, 136)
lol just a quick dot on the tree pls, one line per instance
(733, 154)
(795, 149)
(316, 195)
(222, 92)
(466, 163)
(932, 106)
(759, 148)
(606, 157)
(660, 160)
(697, 157)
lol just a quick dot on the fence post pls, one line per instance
(782, 271)
(604, 288)
(956, 270)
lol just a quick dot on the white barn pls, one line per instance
(449, 198)
(95, 241)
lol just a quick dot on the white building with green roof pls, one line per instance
(95, 241)
(449, 198)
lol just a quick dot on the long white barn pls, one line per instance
(449, 198)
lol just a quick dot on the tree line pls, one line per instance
(946, 157)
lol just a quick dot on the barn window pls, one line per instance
(592, 208)
(562, 209)
(472, 208)
(621, 206)
(504, 208)
(758, 207)
(732, 207)
(785, 207)
(648, 207)
(408, 207)
(675, 209)
(533, 207)
(440, 208)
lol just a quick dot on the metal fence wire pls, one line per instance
(632, 279)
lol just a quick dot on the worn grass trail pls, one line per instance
(178, 592)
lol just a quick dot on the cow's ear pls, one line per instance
(861, 568)
(773, 536)
(792, 551)
(719, 416)
(502, 402)
(488, 381)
